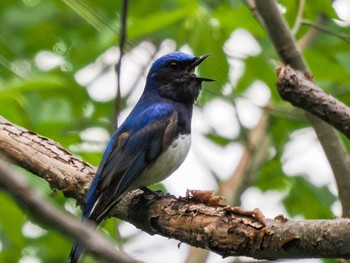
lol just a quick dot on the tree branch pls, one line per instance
(118, 66)
(322, 28)
(222, 229)
(297, 88)
(47, 159)
(280, 34)
(50, 216)
(289, 54)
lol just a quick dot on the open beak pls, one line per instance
(195, 63)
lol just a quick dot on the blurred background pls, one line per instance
(58, 78)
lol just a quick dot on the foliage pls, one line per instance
(49, 100)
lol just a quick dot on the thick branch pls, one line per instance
(298, 89)
(226, 232)
(222, 229)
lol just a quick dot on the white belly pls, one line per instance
(166, 163)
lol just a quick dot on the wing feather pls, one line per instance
(134, 147)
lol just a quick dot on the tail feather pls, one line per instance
(75, 253)
(77, 248)
(93, 216)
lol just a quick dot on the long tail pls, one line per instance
(93, 213)
(77, 248)
(75, 252)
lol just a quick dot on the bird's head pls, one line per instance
(174, 78)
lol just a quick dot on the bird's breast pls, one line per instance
(167, 162)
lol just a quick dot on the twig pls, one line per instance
(50, 216)
(310, 36)
(326, 30)
(122, 40)
(298, 18)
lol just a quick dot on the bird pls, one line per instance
(152, 142)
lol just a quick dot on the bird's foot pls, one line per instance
(147, 191)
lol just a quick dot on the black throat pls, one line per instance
(182, 90)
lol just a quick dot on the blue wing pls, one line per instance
(134, 146)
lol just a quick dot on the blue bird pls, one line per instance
(152, 142)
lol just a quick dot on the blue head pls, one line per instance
(172, 76)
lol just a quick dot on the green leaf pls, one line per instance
(271, 177)
(320, 61)
(145, 25)
(230, 18)
(291, 11)
(316, 7)
(343, 59)
(311, 10)
(307, 200)
(37, 83)
(11, 221)
(49, 111)
(218, 139)
(262, 71)
(284, 121)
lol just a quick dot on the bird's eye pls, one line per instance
(174, 65)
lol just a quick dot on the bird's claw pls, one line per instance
(147, 191)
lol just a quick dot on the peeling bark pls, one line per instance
(222, 230)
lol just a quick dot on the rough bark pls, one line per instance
(47, 159)
(297, 88)
(222, 230)
(202, 223)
